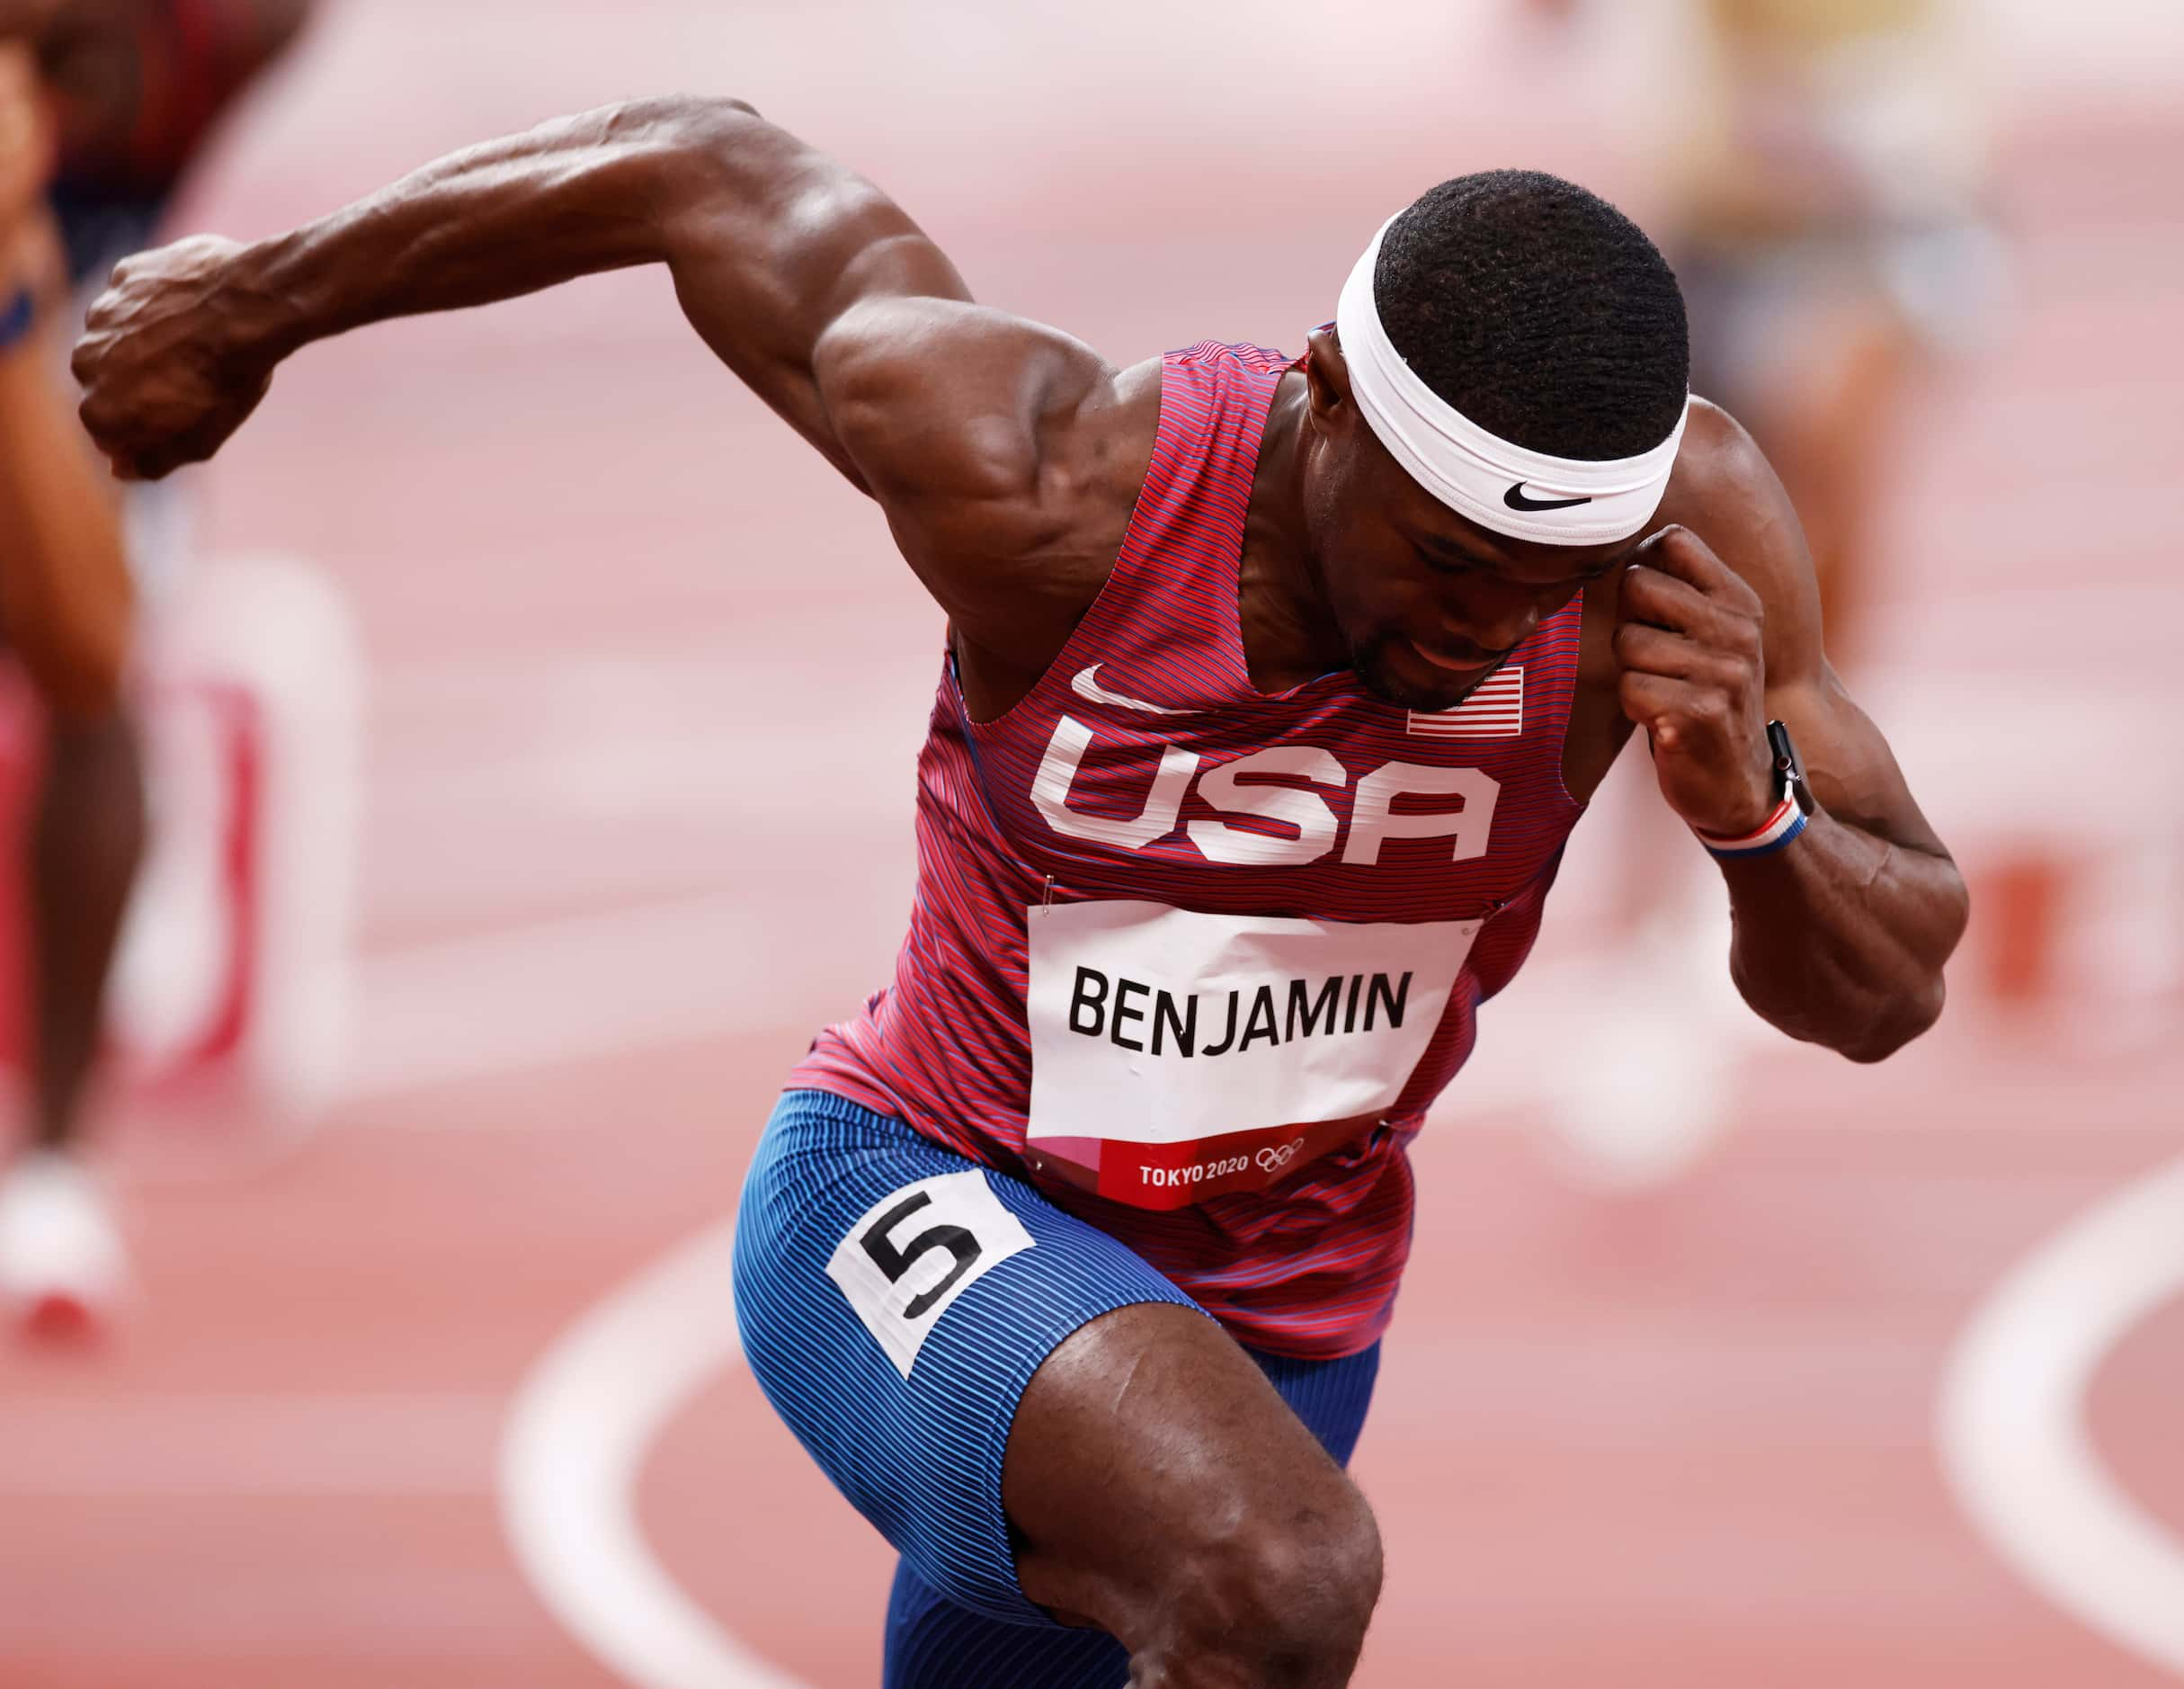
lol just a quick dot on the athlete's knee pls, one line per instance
(1281, 1601)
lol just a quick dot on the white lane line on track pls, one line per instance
(575, 1442)
(2013, 1420)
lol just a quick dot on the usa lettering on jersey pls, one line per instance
(1313, 826)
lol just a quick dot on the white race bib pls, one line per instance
(1175, 1055)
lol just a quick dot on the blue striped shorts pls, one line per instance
(895, 1300)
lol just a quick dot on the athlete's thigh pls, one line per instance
(933, 1643)
(1151, 1455)
(895, 1300)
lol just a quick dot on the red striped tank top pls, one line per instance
(1194, 959)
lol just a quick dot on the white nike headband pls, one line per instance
(1526, 494)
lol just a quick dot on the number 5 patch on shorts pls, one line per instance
(916, 1250)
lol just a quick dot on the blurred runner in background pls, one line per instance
(1830, 177)
(108, 103)
(1821, 175)
(1823, 169)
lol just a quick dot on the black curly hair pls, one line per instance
(1539, 311)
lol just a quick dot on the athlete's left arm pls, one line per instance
(1840, 935)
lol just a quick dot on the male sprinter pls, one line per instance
(134, 88)
(1271, 690)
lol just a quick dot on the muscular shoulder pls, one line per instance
(1725, 492)
(1006, 454)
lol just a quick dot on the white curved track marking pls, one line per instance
(576, 1441)
(2012, 1423)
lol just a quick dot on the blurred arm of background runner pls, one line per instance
(65, 590)
(808, 281)
(119, 88)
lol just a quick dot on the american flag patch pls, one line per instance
(1494, 711)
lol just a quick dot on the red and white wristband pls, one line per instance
(1784, 825)
(1791, 811)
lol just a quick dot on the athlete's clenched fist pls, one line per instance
(168, 366)
(1694, 677)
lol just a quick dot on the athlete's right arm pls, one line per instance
(813, 286)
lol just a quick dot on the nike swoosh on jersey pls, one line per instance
(1086, 686)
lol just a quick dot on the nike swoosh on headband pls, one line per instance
(1515, 499)
(1086, 687)
(1473, 471)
